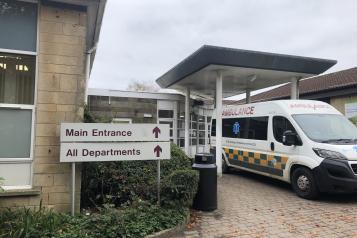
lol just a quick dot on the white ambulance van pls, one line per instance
(303, 142)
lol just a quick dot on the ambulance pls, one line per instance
(306, 143)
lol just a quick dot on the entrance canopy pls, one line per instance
(240, 69)
(219, 72)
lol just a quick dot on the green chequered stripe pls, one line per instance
(260, 161)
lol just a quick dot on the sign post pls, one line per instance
(158, 182)
(95, 142)
(73, 188)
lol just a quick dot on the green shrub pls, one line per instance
(120, 183)
(178, 161)
(179, 188)
(106, 223)
(136, 221)
(117, 183)
(87, 116)
(28, 223)
(143, 219)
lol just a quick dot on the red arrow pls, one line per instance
(156, 131)
(157, 150)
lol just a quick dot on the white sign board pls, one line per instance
(96, 152)
(96, 142)
(93, 142)
(99, 132)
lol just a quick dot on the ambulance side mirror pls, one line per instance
(291, 138)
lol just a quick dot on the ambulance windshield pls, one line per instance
(327, 128)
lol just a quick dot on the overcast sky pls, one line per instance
(141, 40)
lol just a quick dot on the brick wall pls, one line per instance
(60, 98)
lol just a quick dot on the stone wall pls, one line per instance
(60, 98)
(339, 102)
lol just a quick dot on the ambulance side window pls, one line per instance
(280, 125)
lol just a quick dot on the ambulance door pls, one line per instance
(280, 153)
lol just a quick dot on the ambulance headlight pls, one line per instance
(328, 154)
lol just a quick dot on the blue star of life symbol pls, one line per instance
(355, 148)
(236, 128)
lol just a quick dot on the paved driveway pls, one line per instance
(256, 206)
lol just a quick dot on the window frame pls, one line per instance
(29, 160)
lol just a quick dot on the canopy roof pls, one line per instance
(240, 69)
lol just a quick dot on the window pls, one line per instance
(166, 113)
(201, 130)
(209, 129)
(17, 88)
(15, 131)
(17, 79)
(258, 128)
(254, 128)
(213, 130)
(181, 142)
(327, 128)
(280, 125)
(18, 27)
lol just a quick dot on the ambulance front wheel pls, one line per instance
(304, 183)
(225, 167)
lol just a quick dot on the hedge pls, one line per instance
(137, 221)
(120, 183)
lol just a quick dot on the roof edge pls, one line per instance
(217, 55)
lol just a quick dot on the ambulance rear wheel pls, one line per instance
(304, 183)
(225, 167)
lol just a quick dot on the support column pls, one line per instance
(247, 96)
(219, 123)
(187, 122)
(295, 88)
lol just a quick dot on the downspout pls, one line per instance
(87, 73)
(99, 18)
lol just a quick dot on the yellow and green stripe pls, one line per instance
(262, 162)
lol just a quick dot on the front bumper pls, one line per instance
(335, 176)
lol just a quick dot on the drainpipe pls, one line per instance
(88, 59)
